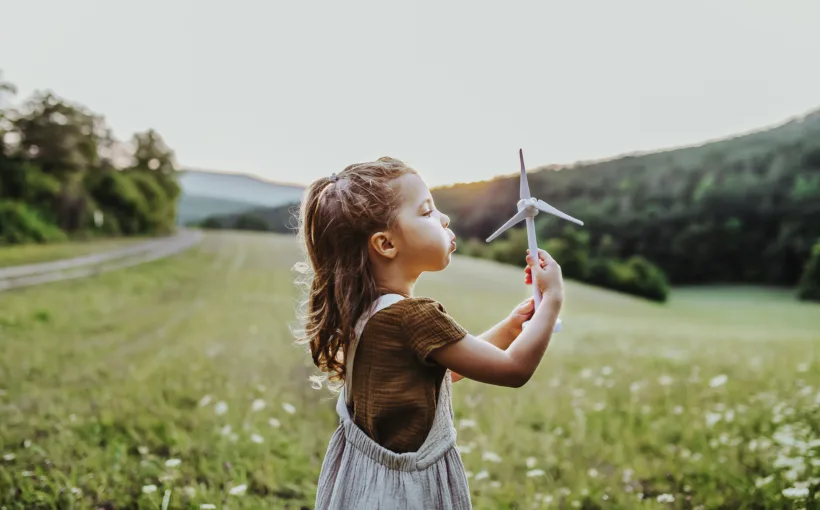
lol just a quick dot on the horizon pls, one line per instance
(544, 166)
(453, 90)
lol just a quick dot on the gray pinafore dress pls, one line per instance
(358, 473)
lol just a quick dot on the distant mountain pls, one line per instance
(206, 193)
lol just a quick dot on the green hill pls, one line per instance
(745, 209)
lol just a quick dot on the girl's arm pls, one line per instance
(502, 334)
(484, 362)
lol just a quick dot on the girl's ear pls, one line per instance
(382, 243)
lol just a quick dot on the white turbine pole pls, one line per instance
(533, 245)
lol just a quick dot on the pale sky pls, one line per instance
(291, 91)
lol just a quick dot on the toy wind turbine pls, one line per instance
(528, 208)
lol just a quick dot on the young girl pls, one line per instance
(369, 233)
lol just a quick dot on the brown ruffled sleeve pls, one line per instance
(429, 327)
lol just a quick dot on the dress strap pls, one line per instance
(380, 304)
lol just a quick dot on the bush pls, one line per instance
(636, 276)
(249, 221)
(21, 224)
(211, 222)
(809, 287)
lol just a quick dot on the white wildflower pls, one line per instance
(465, 448)
(586, 373)
(143, 450)
(288, 408)
(490, 457)
(718, 380)
(593, 473)
(221, 408)
(468, 474)
(729, 416)
(792, 475)
(148, 489)
(9, 457)
(495, 484)
(256, 438)
(666, 498)
(273, 422)
(226, 430)
(207, 506)
(257, 405)
(712, 418)
(627, 475)
(26, 443)
(189, 491)
(599, 381)
(466, 424)
(635, 387)
(532, 473)
(606, 370)
(792, 462)
(26, 473)
(760, 482)
(531, 462)
(803, 367)
(665, 380)
(204, 401)
(76, 490)
(599, 406)
(677, 410)
(239, 490)
(482, 475)
(172, 462)
(796, 492)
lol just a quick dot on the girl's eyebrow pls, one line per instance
(426, 200)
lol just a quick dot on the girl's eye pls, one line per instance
(428, 213)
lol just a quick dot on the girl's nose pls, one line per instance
(445, 220)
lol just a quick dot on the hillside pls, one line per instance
(745, 209)
(207, 194)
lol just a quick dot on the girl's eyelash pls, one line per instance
(428, 213)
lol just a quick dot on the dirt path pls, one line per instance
(87, 265)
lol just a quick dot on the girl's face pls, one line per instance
(422, 235)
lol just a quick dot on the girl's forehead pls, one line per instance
(412, 189)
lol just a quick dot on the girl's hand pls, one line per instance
(520, 315)
(548, 276)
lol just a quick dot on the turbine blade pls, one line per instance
(525, 186)
(522, 214)
(545, 207)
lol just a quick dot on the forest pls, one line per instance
(64, 175)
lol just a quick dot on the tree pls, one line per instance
(809, 287)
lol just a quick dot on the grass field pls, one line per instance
(36, 253)
(176, 383)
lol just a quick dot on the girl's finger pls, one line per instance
(543, 255)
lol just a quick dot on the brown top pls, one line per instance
(395, 386)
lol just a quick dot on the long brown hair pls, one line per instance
(336, 219)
